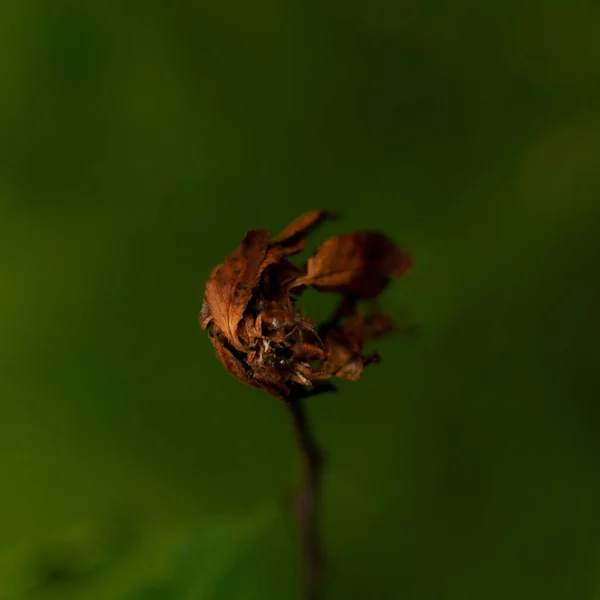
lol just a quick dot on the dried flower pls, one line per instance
(260, 336)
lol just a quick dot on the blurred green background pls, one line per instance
(142, 139)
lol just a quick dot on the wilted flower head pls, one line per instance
(250, 312)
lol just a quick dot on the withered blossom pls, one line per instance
(250, 306)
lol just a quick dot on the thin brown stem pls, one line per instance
(308, 501)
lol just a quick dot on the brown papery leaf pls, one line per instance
(356, 264)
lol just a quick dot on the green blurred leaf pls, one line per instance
(208, 558)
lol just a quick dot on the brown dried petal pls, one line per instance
(205, 317)
(245, 374)
(232, 284)
(291, 239)
(276, 280)
(308, 352)
(232, 364)
(343, 349)
(340, 357)
(247, 330)
(357, 264)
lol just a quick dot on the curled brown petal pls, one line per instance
(232, 284)
(308, 352)
(205, 317)
(232, 364)
(356, 264)
(292, 237)
(247, 330)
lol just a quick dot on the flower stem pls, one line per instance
(308, 501)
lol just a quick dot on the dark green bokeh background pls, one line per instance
(141, 140)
